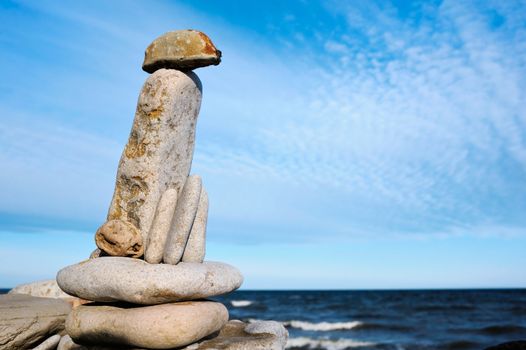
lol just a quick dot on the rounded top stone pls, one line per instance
(182, 50)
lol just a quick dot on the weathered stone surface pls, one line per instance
(185, 212)
(155, 327)
(43, 289)
(26, 321)
(136, 281)
(196, 245)
(236, 335)
(159, 152)
(158, 233)
(119, 238)
(269, 327)
(49, 344)
(182, 50)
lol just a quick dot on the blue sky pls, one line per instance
(343, 144)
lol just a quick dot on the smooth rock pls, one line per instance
(42, 289)
(183, 219)
(47, 289)
(236, 335)
(196, 245)
(159, 151)
(260, 335)
(136, 281)
(154, 327)
(119, 238)
(50, 343)
(158, 233)
(66, 343)
(269, 327)
(182, 50)
(26, 321)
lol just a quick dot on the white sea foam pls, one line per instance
(328, 344)
(323, 326)
(240, 303)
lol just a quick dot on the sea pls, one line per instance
(387, 320)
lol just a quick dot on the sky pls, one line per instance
(344, 145)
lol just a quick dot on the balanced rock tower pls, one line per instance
(147, 282)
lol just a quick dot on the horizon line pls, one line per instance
(368, 289)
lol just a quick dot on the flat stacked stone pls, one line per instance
(147, 281)
(153, 327)
(235, 335)
(111, 279)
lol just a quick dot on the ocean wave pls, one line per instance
(241, 303)
(323, 326)
(328, 344)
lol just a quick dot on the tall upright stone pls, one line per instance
(196, 245)
(159, 152)
(183, 220)
(158, 233)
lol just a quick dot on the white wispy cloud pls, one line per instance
(420, 130)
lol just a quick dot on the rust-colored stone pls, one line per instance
(181, 50)
(120, 238)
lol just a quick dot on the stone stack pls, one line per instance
(147, 283)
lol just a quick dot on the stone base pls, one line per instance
(162, 326)
(235, 335)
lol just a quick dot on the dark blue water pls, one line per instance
(388, 320)
(338, 320)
